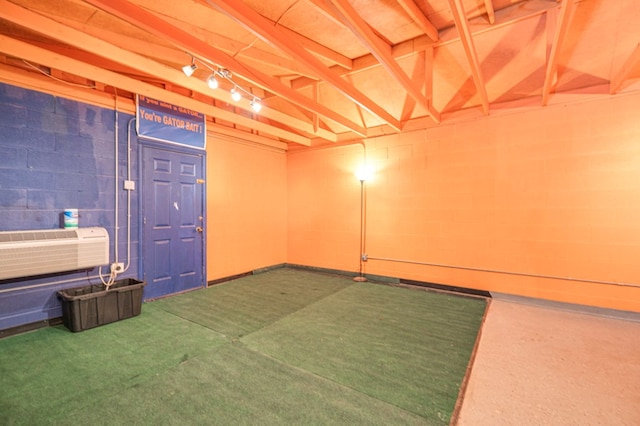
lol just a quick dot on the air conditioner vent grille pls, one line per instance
(26, 236)
(38, 252)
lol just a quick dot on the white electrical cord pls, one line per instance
(110, 281)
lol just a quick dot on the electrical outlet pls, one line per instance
(117, 267)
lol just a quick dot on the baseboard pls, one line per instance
(449, 288)
(24, 328)
(320, 270)
(269, 268)
(568, 307)
(383, 279)
(229, 278)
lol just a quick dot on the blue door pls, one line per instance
(173, 221)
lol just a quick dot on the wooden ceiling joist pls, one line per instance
(631, 64)
(412, 9)
(560, 34)
(382, 52)
(491, 14)
(258, 25)
(462, 25)
(41, 56)
(318, 49)
(81, 40)
(155, 25)
(174, 54)
(504, 17)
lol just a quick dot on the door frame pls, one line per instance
(178, 149)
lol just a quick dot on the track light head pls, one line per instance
(189, 69)
(235, 95)
(213, 82)
(256, 105)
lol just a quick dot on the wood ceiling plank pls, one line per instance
(559, 37)
(155, 25)
(383, 53)
(629, 66)
(419, 18)
(96, 46)
(467, 42)
(318, 49)
(241, 50)
(41, 56)
(333, 14)
(257, 24)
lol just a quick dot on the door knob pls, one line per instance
(199, 228)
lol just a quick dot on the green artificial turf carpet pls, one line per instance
(282, 347)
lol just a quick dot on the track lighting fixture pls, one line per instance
(213, 82)
(189, 69)
(235, 94)
(256, 105)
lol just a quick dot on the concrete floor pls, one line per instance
(552, 364)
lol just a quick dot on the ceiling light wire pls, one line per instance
(85, 86)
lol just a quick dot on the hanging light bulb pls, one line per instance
(213, 82)
(235, 95)
(189, 69)
(256, 105)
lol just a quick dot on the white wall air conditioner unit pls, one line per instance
(37, 252)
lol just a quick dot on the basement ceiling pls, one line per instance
(328, 71)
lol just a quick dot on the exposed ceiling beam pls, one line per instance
(491, 14)
(428, 72)
(630, 64)
(80, 40)
(504, 17)
(559, 37)
(333, 14)
(318, 49)
(462, 25)
(316, 94)
(418, 17)
(382, 52)
(263, 28)
(173, 54)
(368, 61)
(240, 50)
(155, 25)
(232, 46)
(148, 48)
(31, 53)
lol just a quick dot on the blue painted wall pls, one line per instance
(55, 154)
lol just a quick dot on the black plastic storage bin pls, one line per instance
(92, 306)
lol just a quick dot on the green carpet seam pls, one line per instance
(266, 324)
(239, 342)
(196, 323)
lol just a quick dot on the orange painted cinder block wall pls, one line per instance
(498, 202)
(246, 207)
